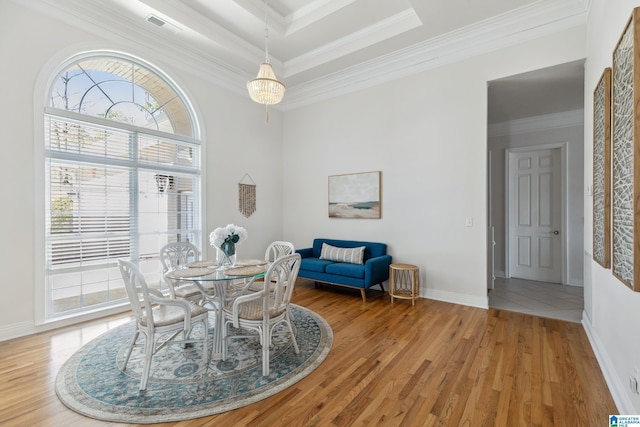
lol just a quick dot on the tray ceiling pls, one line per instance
(319, 46)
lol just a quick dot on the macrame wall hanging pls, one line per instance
(247, 196)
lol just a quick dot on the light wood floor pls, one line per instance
(390, 365)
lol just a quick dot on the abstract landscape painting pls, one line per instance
(355, 195)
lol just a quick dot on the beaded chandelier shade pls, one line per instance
(265, 88)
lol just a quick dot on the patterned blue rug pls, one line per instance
(180, 385)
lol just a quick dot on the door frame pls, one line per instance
(491, 238)
(563, 202)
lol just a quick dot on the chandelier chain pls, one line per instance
(266, 88)
(266, 32)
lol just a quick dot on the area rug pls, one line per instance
(181, 386)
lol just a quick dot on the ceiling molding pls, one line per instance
(109, 21)
(312, 13)
(397, 24)
(291, 23)
(277, 22)
(224, 39)
(124, 30)
(527, 23)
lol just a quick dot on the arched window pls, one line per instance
(122, 156)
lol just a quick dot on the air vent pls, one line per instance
(155, 20)
(159, 22)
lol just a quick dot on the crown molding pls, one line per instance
(527, 23)
(307, 15)
(105, 20)
(178, 14)
(389, 27)
(312, 13)
(538, 123)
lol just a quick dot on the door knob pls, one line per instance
(556, 232)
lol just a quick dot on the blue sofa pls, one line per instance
(373, 271)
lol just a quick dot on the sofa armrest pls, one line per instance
(305, 253)
(376, 270)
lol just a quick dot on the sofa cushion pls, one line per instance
(346, 269)
(351, 255)
(314, 264)
(371, 250)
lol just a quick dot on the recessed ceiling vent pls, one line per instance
(159, 22)
(155, 20)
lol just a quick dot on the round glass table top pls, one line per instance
(215, 274)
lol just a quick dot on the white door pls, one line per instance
(535, 215)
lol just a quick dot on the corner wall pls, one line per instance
(235, 138)
(612, 310)
(427, 133)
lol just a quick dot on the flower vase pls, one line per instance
(226, 255)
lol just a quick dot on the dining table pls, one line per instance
(218, 286)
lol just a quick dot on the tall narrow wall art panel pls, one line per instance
(602, 170)
(626, 155)
(247, 196)
(247, 199)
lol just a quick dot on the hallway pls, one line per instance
(541, 299)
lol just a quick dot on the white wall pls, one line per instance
(235, 137)
(427, 133)
(613, 310)
(553, 129)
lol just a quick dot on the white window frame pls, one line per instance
(42, 294)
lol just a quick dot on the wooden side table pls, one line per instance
(404, 282)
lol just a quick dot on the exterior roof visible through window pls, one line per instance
(102, 72)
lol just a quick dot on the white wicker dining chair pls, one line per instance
(275, 250)
(176, 254)
(278, 249)
(262, 311)
(160, 319)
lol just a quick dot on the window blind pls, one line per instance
(113, 193)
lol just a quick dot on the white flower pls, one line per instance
(230, 233)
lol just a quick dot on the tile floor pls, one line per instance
(539, 298)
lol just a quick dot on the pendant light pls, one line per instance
(265, 88)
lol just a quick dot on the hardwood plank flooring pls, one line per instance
(433, 364)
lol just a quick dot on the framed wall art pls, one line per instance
(355, 195)
(602, 170)
(626, 157)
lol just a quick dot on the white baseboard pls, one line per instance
(17, 330)
(616, 388)
(23, 329)
(463, 299)
(576, 282)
